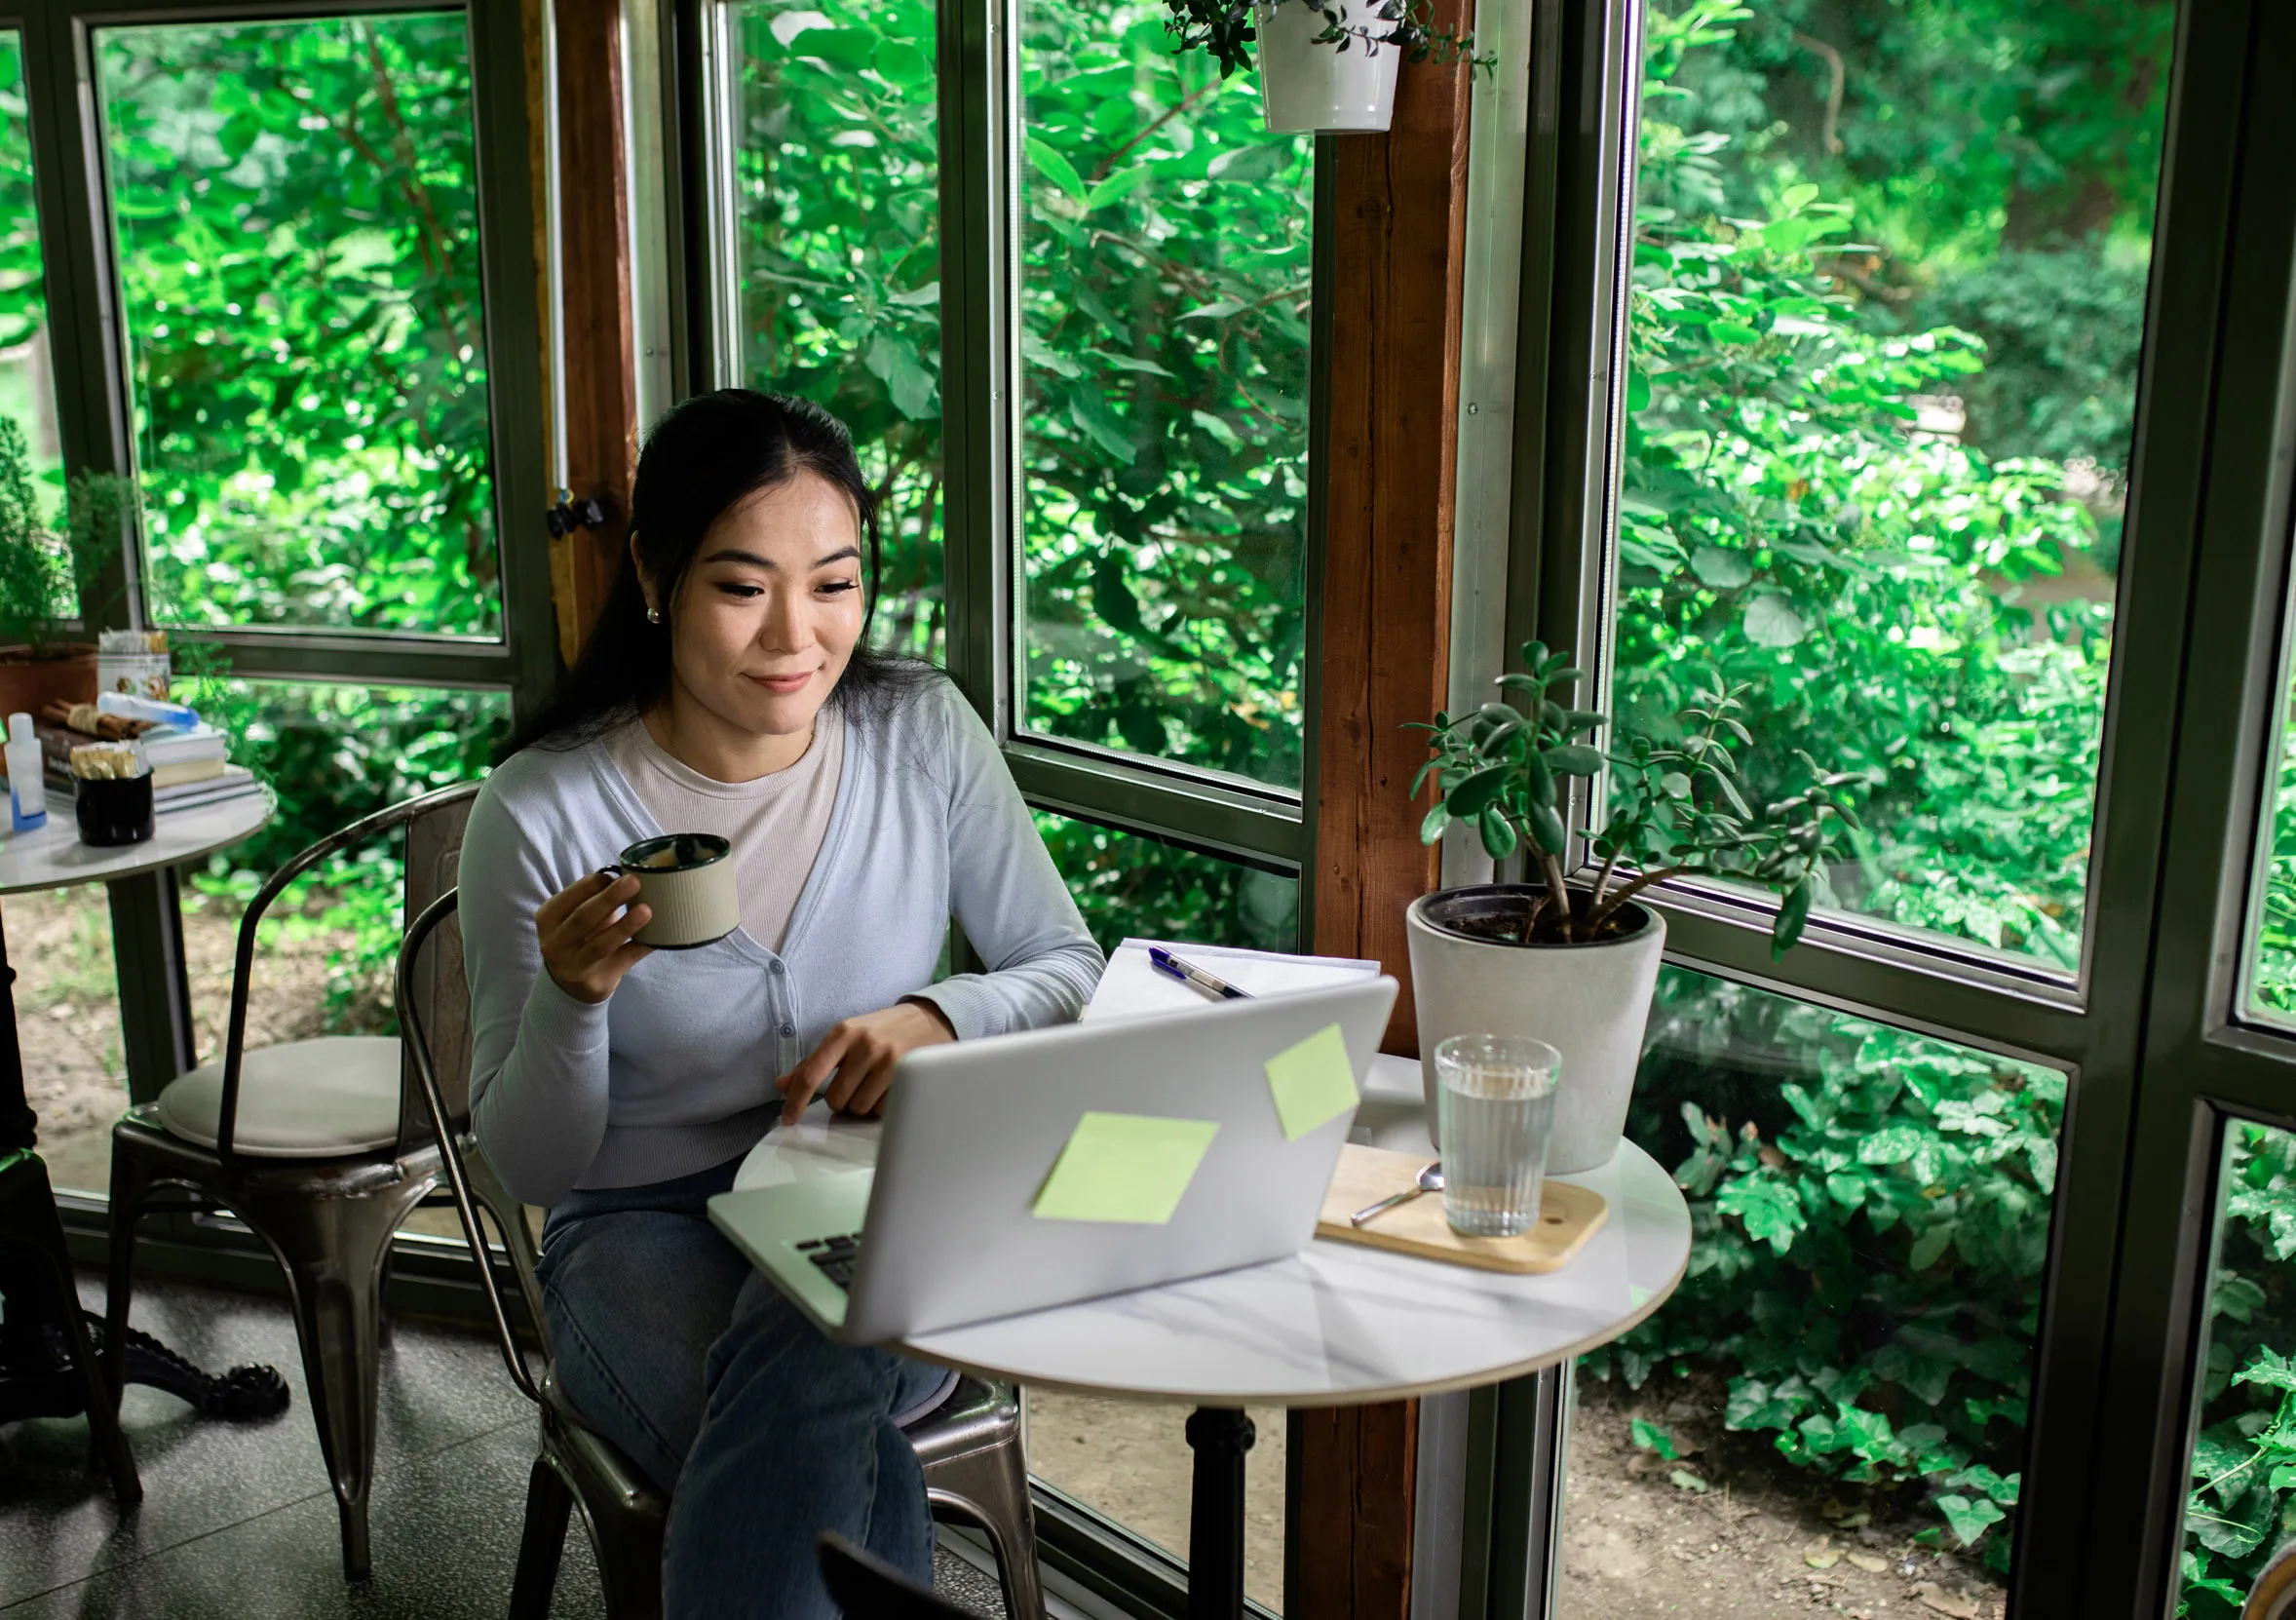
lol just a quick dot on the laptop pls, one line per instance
(942, 1231)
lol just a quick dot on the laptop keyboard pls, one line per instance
(835, 1256)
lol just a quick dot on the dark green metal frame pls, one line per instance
(2147, 1028)
(1222, 816)
(93, 412)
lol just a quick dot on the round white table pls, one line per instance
(51, 857)
(1337, 1324)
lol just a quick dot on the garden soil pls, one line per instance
(1762, 1541)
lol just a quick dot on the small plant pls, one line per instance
(1224, 27)
(1675, 811)
(42, 573)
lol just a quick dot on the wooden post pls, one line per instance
(1398, 264)
(599, 359)
(1399, 260)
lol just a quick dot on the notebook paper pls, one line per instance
(1130, 986)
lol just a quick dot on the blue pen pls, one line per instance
(1163, 961)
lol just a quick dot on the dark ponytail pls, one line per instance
(704, 456)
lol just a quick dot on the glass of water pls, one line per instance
(1495, 1100)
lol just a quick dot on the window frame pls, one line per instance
(94, 416)
(1208, 811)
(2142, 1124)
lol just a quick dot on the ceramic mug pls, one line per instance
(688, 879)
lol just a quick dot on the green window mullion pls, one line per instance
(1230, 823)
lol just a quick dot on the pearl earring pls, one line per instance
(653, 615)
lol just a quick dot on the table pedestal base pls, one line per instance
(1220, 1437)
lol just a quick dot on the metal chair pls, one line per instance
(868, 1586)
(970, 1446)
(322, 1146)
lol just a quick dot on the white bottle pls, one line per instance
(27, 793)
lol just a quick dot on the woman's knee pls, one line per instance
(635, 1300)
(773, 1343)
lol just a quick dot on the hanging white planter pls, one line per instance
(1305, 87)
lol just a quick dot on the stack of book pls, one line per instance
(190, 765)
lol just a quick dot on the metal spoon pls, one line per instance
(1430, 1180)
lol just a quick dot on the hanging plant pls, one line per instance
(1324, 64)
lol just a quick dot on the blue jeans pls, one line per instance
(765, 1432)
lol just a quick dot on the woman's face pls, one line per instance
(767, 615)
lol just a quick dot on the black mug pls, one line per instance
(113, 809)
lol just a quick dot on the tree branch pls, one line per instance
(1100, 169)
(1832, 142)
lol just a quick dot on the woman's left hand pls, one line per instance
(860, 1052)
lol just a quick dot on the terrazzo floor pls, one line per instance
(237, 1521)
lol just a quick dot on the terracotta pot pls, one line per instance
(1590, 1002)
(28, 684)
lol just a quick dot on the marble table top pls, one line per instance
(1336, 1324)
(53, 858)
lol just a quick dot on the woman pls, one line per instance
(728, 688)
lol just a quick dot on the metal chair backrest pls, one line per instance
(435, 826)
(434, 857)
(472, 1183)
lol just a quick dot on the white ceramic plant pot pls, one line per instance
(1305, 85)
(1590, 1002)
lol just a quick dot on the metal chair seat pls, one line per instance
(298, 1100)
(969, 1445)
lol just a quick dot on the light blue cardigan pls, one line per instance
(674, 1072)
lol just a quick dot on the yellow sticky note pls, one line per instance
(1129, 1168)
(1313, 1082)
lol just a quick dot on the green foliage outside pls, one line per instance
(1165, 345)
(1129, 885)
(1884, 378)
(1822, 267)
(296, 209)
(1896, 602)
(1869, 1218)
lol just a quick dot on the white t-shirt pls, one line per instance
(775, 822)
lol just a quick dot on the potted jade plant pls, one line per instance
(42, 571)
(1324, 65)
(1574, 961)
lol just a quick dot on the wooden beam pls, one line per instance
(1398, 260)
(599, 359)
(1357, 1474)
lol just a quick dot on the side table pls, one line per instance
(47, 1366)
(1335, 1325)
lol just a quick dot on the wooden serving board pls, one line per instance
(1568, 1215)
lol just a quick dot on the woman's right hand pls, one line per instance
(586, 945)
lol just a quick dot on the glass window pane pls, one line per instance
(2243, 1459)
(1124, 1459)
(2271, 990)
(1128, 885)
(835, 173)
(1163, 471)
(1886, 307)
(296, 214)
(1848, 1360)
(28, 377)
(67, 1000)
(67, 1024)
(332, 753)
